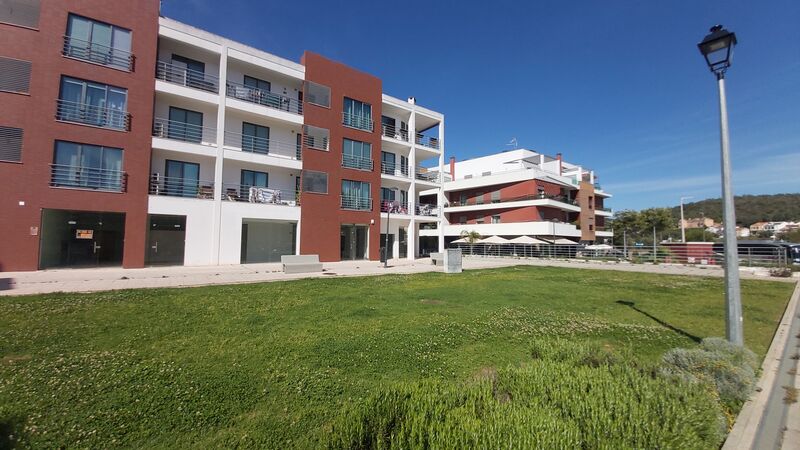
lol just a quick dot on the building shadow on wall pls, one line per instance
(632, 305)
(5, 283)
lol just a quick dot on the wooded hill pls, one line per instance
(749, 208)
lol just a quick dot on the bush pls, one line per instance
(781, 272)
(729, 368)
(562, 399)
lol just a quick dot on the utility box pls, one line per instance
(452, 260)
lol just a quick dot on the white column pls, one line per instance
(441, 198)
(412, 237)
(219, 162)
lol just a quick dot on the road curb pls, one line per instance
(745, 429)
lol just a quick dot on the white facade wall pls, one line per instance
(233, 213)
(199, 228)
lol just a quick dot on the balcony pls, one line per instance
(394, 207)
(394, 169)
(359, 122)
(423, 209)
(357, 162)
(182, 131)
(427, 141)
(97, 116)
(186, 77)
(393, 132)
(181, 187)
(356, 203)
(521, 198)
(423, 174)
(263, 146)
(90, 178)
(262, 97)
(257, 194)
(98, 54)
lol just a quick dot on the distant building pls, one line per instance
(704, 222)
(758, 227)
(742, 232)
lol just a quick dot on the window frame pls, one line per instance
(304, 185)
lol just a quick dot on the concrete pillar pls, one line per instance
(412, 236)
(441, 198)
(216, 235)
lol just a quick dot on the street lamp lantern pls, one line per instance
(717, 48)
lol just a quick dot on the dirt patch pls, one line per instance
(11, 359)
(428, 301)
(791, 395)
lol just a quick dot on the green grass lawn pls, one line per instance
(273, 364)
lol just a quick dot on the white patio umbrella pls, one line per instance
(562, 241)
(599, 247)
(493, 240)
(526, 240)
(460, 241)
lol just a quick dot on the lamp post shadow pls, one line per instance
(632, 305)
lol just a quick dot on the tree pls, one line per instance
(699, 235)
(791, 236)
(472, 237)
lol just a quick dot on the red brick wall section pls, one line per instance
(321, 216)
(585, 200)
(29, 181)
(509, 191)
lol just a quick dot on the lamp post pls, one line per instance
(390, 205)
(683, 224)
(717, 48)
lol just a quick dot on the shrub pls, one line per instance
(561, 399)
(731, 369)
(781, 272)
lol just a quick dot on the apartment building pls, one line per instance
(523, 193)
(201, 150)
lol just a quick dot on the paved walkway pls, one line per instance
(87, 280)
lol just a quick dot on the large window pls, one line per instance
(98, 42)
(87, 166)
(388, 163)
(314, 181)
(357, 114)
(182, 179)
(255, 138)
(357, 155)
(356, 195)
(93, 103)
(185, 125)
(252, 178)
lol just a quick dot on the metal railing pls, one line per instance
(316, 142)
(186, 77)
(601, 208)
(181, 187)
(427, 141)
(520, 198)
(263, 97)
(424, 175)
(357, 121)
(88, 178)
(748, 257)
(98, 53)
(395, 169)
(255, 144)
(423, 209)
(182, 131)
(257, 194)
(394, 207)
(356, 203)
(67, 111)
(393, 132)
(357, 162)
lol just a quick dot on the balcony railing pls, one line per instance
(423, 209)
(521, 198)
(394, 207)
(601, 208)
(98, 53)
(181, 187)
(357, 203)
(357, 121)
(263, 146)
(393, 132)
(87, 114)
(357, 162)
(182, 131)
(424, 175)
(263, 97)
(427, 141)
(256, 194)
(88, 178)
(186, 77)
(394, 169)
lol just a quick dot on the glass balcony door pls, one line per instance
(182, 178)
(185, 125)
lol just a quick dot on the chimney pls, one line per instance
(412, 100)
(560, 169)
(453, 167)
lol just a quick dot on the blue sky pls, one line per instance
(616, 86)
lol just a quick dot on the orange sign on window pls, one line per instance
(84, 234)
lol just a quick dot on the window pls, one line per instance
(185, 125)
(255, 138)
(251, 178)
(357, 155)
(315, 182)
(486, 174)
(10, 144)
(316, 138)
(357, 114)
(388, 163)
(318, 94)
(93, 104)
(591, 227)
(591, 202)
(98, 42)
(496, 218)
(462, 199)
(256, 83)
(540, 191)
(182, 179)
(479, 198)
(462, 219)
(404, 165)
(496, 196)
(479, 221)
(20, 12)
(388, 194)
(15, 75)
(356, 195)
(87, 166)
